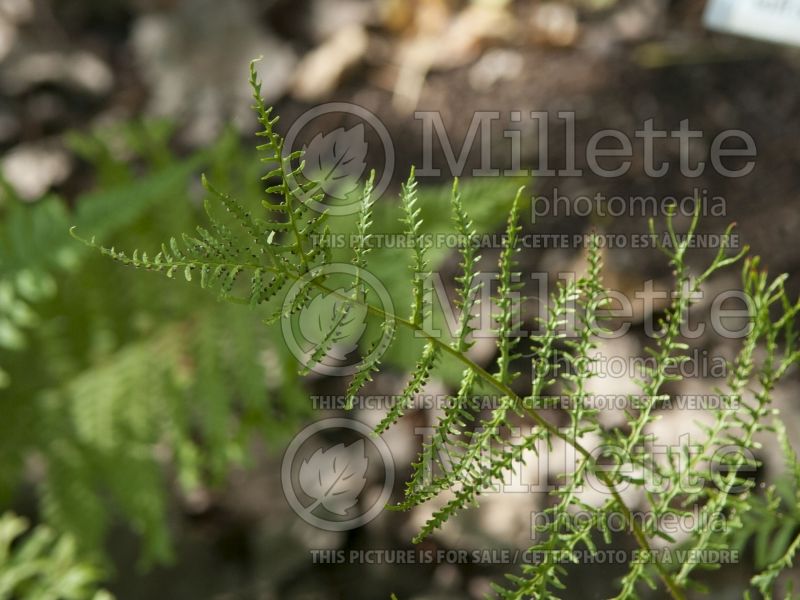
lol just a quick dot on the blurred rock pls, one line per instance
(639, 20)
(471, 31)
(446, 576)
(79, 70)
(32, 169)
(555, 24)
(322, 70)
(326, 18)
(47, 109)
(480, 587)
(614, 379)
(12, 14)
(452, 43)
(683, 423)
(17, 11)
(194, 59)
(495, 66)
(8, 35)
(506, 515)
(281, 548)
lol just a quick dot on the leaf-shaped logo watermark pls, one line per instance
(325, 313)
(336, 160)
(333, 474)
(335, 477)
(328, 334)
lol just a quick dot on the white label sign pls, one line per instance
(773, 20)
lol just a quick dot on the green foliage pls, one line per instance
(39, 565)
(253, 259)
(772, 523)
(110, 378)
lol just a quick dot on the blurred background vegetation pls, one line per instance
(143, 421)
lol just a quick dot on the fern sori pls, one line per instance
(469, 450)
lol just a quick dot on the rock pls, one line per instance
(640, 20)
(326, 19)
(32, 169)
(555, 24)
(322, 70)
(688, 413)
(448, 44)
(17, 11)
(12, 14)
(8, 35)
(81, 71)
(495, 66)
(471, 31)
(194, 59)
(614, 379)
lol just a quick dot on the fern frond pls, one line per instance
(371, 363)
(419, 267)
(470, 452)
(364, 223)
(457, 412)
(417, 380)
(467, 290)
(41, 564)
(765, 580)
(441, 450)
(508, 303)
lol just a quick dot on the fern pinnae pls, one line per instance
(467, 289)
(370, 365)
(419, 265)
(419, 305)
(667, 346)
(477, 479)
(328, 340)
(765, 580)
(359, 380)
(590, 294)
(506, 340)
(456, 411)
(418, 378)
(364, 223)
(423, 483)
(668, 351)
(362, 248)
(274, 154)
(751, 420)
(589, 300)
(243, 217)
(555, 534)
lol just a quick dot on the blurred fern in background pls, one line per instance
(42, 565)
(105, 375)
